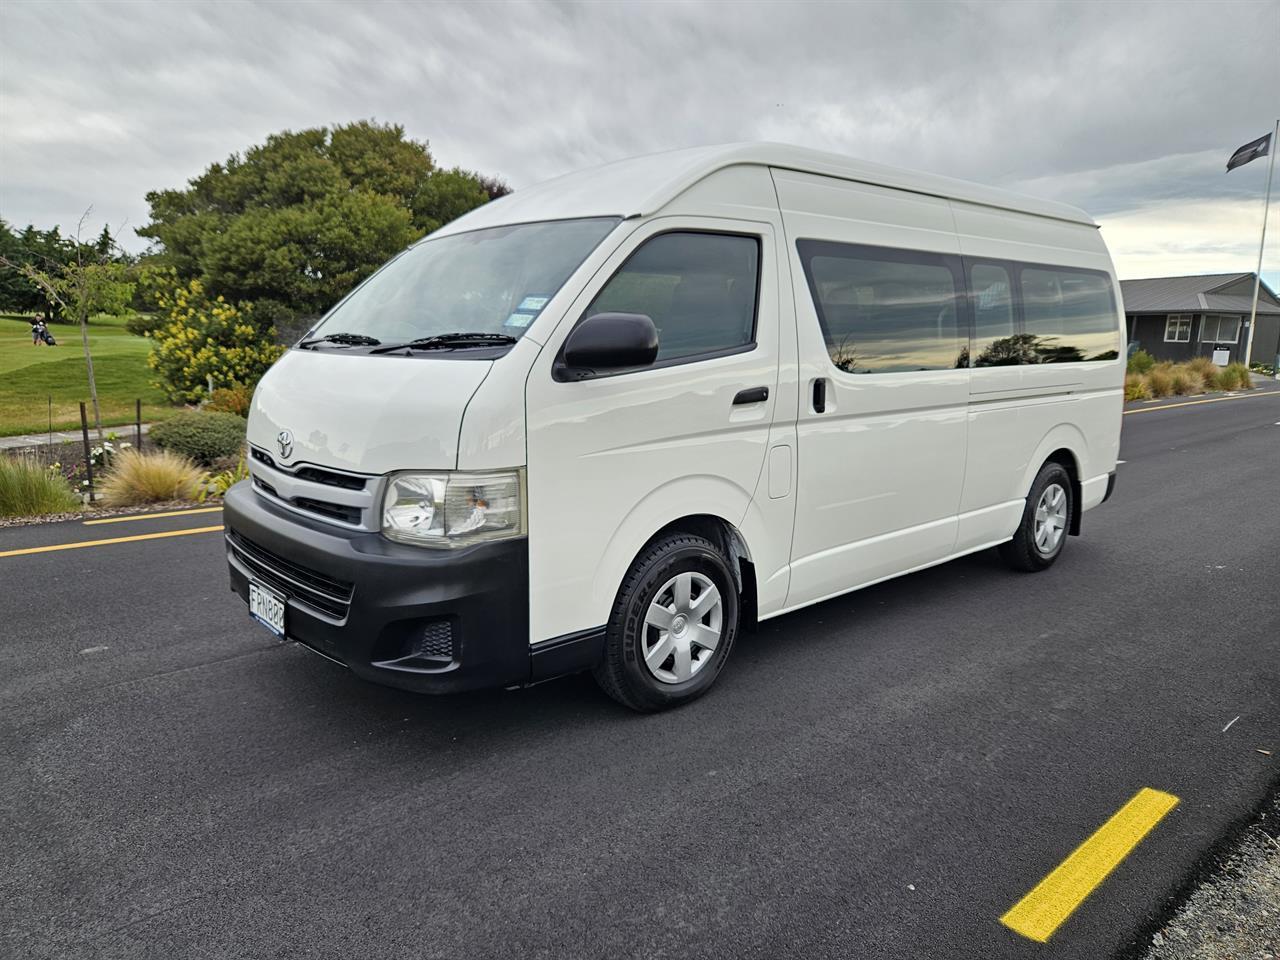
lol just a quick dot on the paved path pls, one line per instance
(879, 776)
(67, 436)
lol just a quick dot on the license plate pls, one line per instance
(267, 607)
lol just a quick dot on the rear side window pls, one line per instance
(699, 289)
(885, 311)
(1068, 315)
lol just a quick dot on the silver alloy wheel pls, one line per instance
(1051, 519)
(682, 628)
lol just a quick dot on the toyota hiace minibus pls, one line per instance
(608, 422)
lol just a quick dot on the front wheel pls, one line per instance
(1046, 518)
(672, 626)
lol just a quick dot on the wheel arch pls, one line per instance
(1062, 447)
(708, 503)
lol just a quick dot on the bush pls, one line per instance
(1136, 388)
(205, 340)
(151, 477)
(1160, 380)
(1239, 374)
(217, 484)
(144, 324)
(1204, 368)
(1141, 362)
(233, 399)
(29, 489)
(1184, 381)
(204, 437)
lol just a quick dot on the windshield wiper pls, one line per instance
(446, 341)
(352, 339)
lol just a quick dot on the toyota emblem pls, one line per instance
(284, 439)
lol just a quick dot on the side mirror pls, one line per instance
(610, 341)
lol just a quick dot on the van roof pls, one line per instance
(643, 185)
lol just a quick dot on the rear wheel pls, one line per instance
(1046, 518)
(672, 626)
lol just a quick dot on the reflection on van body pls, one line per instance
(608, 422)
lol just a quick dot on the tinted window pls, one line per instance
(699, 289)
(884, 311)
(1068, 315)
(995, 327)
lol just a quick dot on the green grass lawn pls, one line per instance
(31, 376)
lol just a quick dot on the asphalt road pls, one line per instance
(882, 775)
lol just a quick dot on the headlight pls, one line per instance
(453, 509)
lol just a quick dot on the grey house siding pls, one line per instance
(1266, 340)
(1147, 330)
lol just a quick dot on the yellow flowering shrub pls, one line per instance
(203, 338)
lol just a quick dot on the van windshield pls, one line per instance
(492, 281)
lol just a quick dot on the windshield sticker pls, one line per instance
(533, 304)
(519, 320)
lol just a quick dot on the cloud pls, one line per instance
(1117, 107)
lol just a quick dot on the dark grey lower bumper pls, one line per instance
(477, 597)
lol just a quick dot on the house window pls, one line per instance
(1177, 328)
(1220, 328)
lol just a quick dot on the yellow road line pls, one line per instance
(102, 543)
(1192, 403)
(153, 516)
(1038, 914)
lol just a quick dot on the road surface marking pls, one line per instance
(102, 543)
(1037, 915)
(153, 516)
(1192, 403)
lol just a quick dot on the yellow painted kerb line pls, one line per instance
(1196, 403)
(153, 516)
(102, 543)
(1038, 914)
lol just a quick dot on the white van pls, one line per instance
(610, 421)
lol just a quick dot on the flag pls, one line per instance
(1250, 151)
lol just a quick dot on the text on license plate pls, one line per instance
(267, 607)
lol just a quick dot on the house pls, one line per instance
(1177, 318)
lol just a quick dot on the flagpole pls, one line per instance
(1257, 277)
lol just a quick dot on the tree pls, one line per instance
(292, 224)
(85, 283)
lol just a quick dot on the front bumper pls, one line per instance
(366, 602)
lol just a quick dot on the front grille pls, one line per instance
(330, 479)
(323, 493)
(334, 511)
(327, 595)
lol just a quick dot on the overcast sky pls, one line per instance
(1129, 110)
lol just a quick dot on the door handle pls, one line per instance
(751, 395)
(820, 395)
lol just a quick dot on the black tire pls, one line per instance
(622, 672)
(1022, 553)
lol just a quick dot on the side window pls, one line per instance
(1220, 329)
(1177, 328)
(995, 331)
(699, 289)
(1068, 315)
(885, 311)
